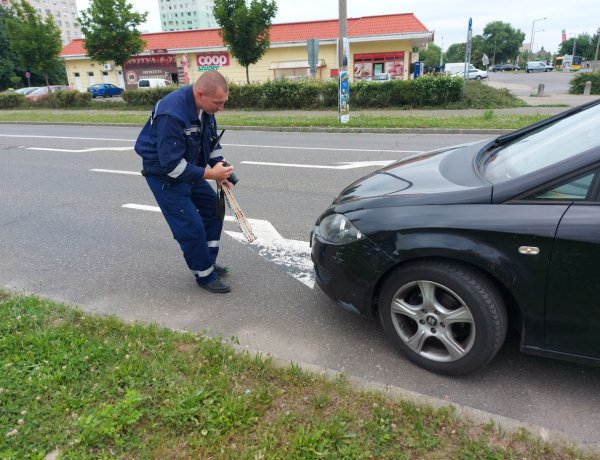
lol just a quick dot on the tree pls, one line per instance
(585, 46)
(110, 31)
(8, 60)
(35, 41)
(502, 42)
(245, 28)
(456, 53)
(431, 56)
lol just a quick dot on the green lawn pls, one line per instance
(391, 119)
(89, 387)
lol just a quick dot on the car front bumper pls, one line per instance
(349, 273)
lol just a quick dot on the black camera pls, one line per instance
(232, 177)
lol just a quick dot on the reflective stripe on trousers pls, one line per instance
(191, 212)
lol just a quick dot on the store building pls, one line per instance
(378, 44)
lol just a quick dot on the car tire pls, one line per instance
(460, 326)
(478, 77)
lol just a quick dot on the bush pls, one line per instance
(426, 91)
(65, 99)
(147, 97)
(11, 100)
(579, 80)
(245, 96)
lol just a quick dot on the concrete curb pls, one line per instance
(315, 129)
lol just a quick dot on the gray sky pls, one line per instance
(448, 18)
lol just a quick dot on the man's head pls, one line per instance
(211, 92)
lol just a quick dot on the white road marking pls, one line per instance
(349, 165)
(284, 147)
(292, 255)
(92, 149)
(27, 136)
(116, 171)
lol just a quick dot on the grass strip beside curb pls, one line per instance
(84, 386)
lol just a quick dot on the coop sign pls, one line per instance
(212, 61)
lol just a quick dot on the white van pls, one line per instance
(147, 83)
(537, 66)
(457, 69)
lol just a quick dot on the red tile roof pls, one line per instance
(391, 24)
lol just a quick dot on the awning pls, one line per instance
(294, 64)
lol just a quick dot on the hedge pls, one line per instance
(579, 80)
(315, 94)
(11, 100)
(147, 97)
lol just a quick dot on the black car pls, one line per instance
(496, 68)
(450, 247)
(509, 67)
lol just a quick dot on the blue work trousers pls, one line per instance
(190, 209)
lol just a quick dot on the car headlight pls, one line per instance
(337, 229)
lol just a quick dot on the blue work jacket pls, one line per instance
(175, 143)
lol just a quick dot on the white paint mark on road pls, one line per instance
(92, 149)
(334, 149)
(116, 171)
(292, 255)
(28, 136)
(281, 147)
(347, 165)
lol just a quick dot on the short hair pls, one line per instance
(210, 81)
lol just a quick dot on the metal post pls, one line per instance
(343, 30)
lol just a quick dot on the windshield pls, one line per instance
(546, 146)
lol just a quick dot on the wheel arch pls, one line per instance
(513, 309)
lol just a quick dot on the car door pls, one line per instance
(573, 286)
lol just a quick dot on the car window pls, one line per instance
(144, 83)
(575, 189)
(544, 147)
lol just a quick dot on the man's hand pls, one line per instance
(218, 172)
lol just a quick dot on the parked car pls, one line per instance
(457, 69)
(496, 68)
(43, 91)
(25, 91)
(448, 248)
(381, 77)
(509, 67)
(104, 90)
(537, 66)
(147, 83)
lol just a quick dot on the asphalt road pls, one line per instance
(65, 234)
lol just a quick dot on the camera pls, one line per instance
(232, 178)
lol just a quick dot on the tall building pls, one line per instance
(64, 13)
(186, 15)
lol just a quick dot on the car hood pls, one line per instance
(443, 176)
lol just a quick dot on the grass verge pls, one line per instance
(88, 387)
(398, 119)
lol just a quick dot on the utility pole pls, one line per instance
(343, 31)
(597, 45)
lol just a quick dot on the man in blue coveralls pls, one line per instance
(180, 149)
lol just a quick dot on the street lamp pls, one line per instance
(533, 37)
(531, 43)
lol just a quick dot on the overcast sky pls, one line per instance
(448, 18)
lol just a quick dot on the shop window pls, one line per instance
(367, 65)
